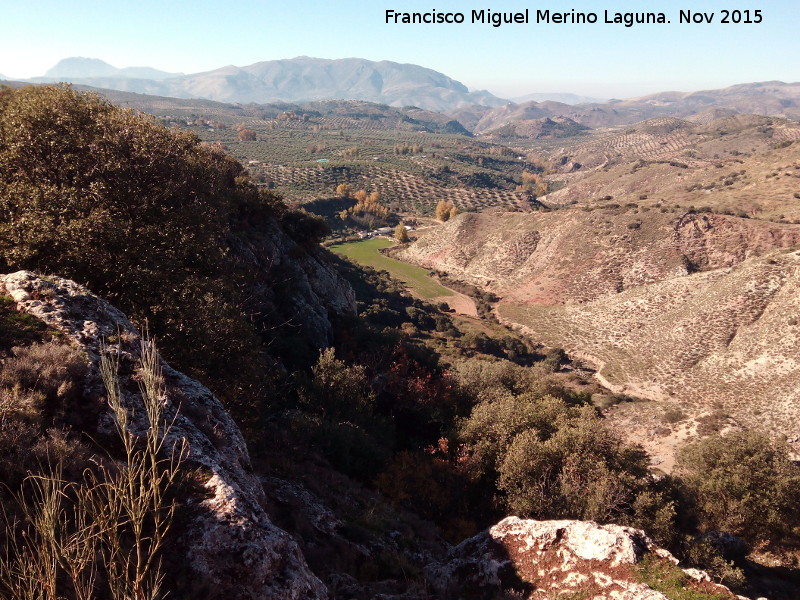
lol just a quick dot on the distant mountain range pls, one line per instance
(770, 98)
(87, 68)
(292, 80)
(556, 97)
(305, 79)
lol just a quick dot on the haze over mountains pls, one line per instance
(81, 68)
(291, 80)
(769, 98)
(305, 79)
(565, 98)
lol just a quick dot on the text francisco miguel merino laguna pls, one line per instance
(628, 19)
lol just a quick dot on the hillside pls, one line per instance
(328, 435)
(688, 310)
(771, 98)
(221, 507)
(291, 80)
(411, 156)
(564, 98)
(574, 256)
(745, 165)
(720, 340)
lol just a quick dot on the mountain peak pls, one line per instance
(298, 79)
(78, 66)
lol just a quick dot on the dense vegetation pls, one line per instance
(459, 426)
(149, 218)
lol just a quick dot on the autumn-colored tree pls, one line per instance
(444, 210)
(367, 205)
(407, 149)
(532, 184)
(246, 135)
(400, 234)
(344, 190)
(529, 178)
(454, 212)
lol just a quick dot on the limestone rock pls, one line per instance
(233, 549)
(294, 283)
(541, 559)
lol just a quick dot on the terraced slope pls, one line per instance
(743, 165)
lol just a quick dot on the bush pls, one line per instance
(304, 227)
(338, 391)
(339, 419)
(142, 215)
(582, 471)
(743, 483)
(495, 424)
(553, 360)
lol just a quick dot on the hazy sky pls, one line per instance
(602, 60)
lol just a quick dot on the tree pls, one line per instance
(582, 471)
(338, 417)
(533, 185)
(141, 214)
(246, 135)
(343, 190)
(400, 234)
(445, 209)
(367, 211)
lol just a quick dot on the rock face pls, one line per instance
(542, 559)
(233, 549)
(293, 284)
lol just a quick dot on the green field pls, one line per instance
(367, 253)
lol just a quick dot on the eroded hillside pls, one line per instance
(693, 311)
(574, 256)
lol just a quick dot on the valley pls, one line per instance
(639, 225)
(593, 318)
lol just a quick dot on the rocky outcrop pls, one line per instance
(543, 559)
(233, 549)
(293, 284)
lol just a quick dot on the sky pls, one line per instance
(600, 60)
